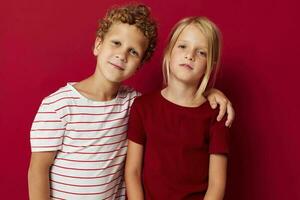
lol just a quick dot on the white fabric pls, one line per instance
(90, 140)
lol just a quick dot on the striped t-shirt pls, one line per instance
(90, 140)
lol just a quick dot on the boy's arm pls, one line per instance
(38, 175)
(133, 170)
(217, 177)
(216, 97)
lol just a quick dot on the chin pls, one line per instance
(187, 80)
(114, 79)
(111, 76)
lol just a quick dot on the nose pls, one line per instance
(121, 55)
(189, 56)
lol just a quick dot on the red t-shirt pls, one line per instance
(177, 142)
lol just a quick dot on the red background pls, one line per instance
(44, 44)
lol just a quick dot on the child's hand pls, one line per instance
(216, 97)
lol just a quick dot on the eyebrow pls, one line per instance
(203, 47)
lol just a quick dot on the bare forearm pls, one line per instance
(134, 186)
(38, 183)
(217, 177)
(38, 175)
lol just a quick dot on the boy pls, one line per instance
(78, 137)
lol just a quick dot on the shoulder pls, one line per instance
(60, 97)
(213, 114)
(148, 100)
(128, 92)
(205, 111)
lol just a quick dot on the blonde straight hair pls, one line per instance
(213, 36)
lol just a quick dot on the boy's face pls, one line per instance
(120, 52)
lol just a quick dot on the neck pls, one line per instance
(98, 88)
(182, 94)
(103, 88)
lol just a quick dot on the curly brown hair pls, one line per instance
(133, 14)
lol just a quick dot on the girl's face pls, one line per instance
(188, 56)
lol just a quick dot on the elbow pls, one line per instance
(132, 174)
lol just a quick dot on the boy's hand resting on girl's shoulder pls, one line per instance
(215, 98)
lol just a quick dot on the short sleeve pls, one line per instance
(47, 130)
(218, 137)
(136, 131)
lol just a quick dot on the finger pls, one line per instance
(222, 111)
(230, 116)
(212, 102)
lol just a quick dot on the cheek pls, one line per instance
(105, 50)
(202, 64)
(134, 65)
(174, 60)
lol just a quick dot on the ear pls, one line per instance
(97, 45)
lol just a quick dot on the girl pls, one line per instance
(177, 149)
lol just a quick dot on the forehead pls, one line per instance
(129, 34)
(193, 34)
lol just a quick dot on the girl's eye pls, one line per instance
(201, 53)
(116, 43)
(133, 52)
(181, 46)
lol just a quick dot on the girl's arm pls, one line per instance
(215, 98)
(38, 175)
(133, 170)
(217, 177)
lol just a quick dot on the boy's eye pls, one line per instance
(181, 46)
(116, 43)
(133, 52)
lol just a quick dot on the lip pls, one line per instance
(186, 66)
(119, 67)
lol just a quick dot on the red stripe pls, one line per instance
(120, 176)
(85, 193)
(56, 198)
(95, 145)
(92, 114)
(101, 106)
(92, 177)
(93, 130)
(88, 169)
(45, 138)
(123, 97)
(87, 161)
(58, 129)
(58, 93)
(115, 193)
(46, 112)
(45, 146)
(121, 188)
(60, 99)
(108, 136)
(123, 195)
(94, 152)
(97, 121)
(46, 121)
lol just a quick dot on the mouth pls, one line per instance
(119, 67)
(187, 66)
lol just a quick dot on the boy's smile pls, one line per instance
(120, 52)
(117, 66)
